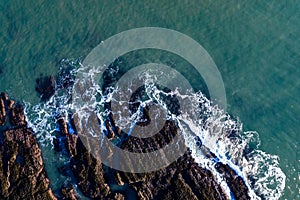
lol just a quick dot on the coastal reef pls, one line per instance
(22, 172)
(183, 179)
(23, 175)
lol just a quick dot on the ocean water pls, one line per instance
(255, 45)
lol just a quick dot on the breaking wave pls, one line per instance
(203, 126)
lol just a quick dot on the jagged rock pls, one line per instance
(4, 96)
(235, 182)
(22, 170)
(110, 133)
(183, 179)
(89, 173)
(67, 193)
(17, 117)
(71, 143)
(8, 109)
(10, 104)
(87, 170)
(63, 127)
(118, 196)
(45, 86)
(22, 173)
(2, 112)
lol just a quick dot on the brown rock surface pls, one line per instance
(22, 170)
(88, 171)
(67, 193)
(17, 117)
(2, 112)
(183, 179)
(22, 173)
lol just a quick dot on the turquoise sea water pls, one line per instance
(255, 45)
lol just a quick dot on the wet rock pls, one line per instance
(10, 104)
(17, 117)
(45, 86)
(183, 179)
(2, 112)
(118, 196)
(4, 96)
(89, 173)
(119, 179)
(22, 173)
(63, 127)
(145, 119)
(10, 110)
(87, 170)
(6, 106)
(235, 182)
(68, 193)
(71, 144)
(110, 133)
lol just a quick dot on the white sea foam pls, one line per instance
(218, 132)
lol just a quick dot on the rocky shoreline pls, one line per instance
(22, 172)
(23, 175)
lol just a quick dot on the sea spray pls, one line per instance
(218, 132)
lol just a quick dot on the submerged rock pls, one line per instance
(45, 86)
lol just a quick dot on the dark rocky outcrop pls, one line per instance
(45, 86)
(17, 117)
(183, 179)
(22, 170)
(67, 193)
(87, 170)
(22, 173)
(234, 182)
(2, 111)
